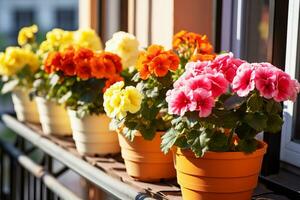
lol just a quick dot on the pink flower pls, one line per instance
(243, 83)
(284, 86)
(200, 81)
(227, 64)
(197, 68)
(182, 79)
(204, 101)
(265, 81)
(179, 102)
(295, 90)
(219, 84)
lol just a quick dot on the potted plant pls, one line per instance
(219, 106)
(139, 114)
(83, 75)
(17, 68)
(53, 115)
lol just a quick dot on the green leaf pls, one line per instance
(258, 121)
(54, 78)
(234, 102)
(9, 86)
(65, 97)
(247, 146)
(274, 123)
(219, 142)
(244, 131)
(128, 133)
(254, 103)
(199, 141)
(115, 124)
(152, 93)
(168, 140)
(273, 107)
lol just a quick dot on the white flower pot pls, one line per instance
(92, 135)
(26, 109)
(54, 118)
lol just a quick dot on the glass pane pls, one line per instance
(47, 14)
(296, 122)
(256, 31)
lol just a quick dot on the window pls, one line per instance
(290, 145)
(23, 18)
(66, 19)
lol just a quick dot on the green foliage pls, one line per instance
(23, 79)
(83, 96)
(151, 117)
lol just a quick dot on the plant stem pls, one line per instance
(229, 142)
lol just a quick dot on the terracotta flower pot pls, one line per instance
(144, 160)
(218, 175)
(92, 135)
(26, 109)
(54, 118)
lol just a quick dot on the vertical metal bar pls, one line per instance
(217, 25)
(41, 190)
(49, 168)
(34, 187)
(12, 178)
(1, 173)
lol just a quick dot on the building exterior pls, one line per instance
(47, 14)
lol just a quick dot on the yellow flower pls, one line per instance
(119, 101)
(15, 58)
(124, 45)
(87, 38)
(132, 99)
(26, 34)
(56, 40)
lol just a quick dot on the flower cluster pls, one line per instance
(157, 62)
(15, 59)
(271, 82)
(27, 35)
(192, 46)
(119, 100)
(124, 45)
(197, 89)
(85, 64)
(59, 40)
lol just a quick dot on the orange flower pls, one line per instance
(52, 62)
(187, 44)
(83, 69)
(112, 63)
(156, 61)
(84, 63)
(113, 79)
(97, 66)
(68, 65)
(202, 57)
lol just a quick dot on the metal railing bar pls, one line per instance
(1, 174)
(60, 171)
(37, 171)
(93, 174)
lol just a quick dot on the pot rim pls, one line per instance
(224, 155)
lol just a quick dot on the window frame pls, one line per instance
(290, 150)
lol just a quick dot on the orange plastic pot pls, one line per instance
(218, 175)
(144, 160)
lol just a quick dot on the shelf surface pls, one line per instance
(107, 172)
